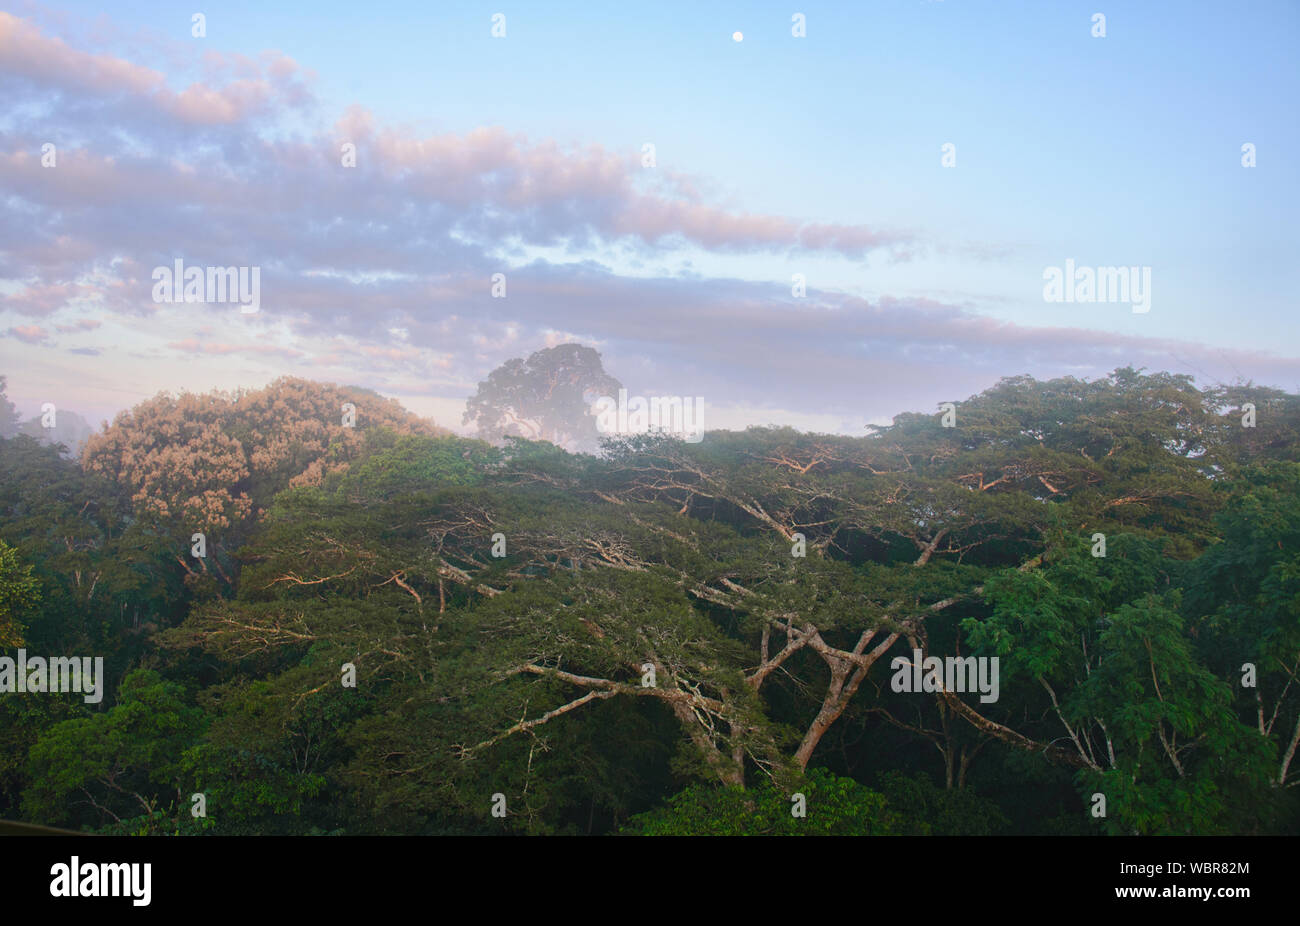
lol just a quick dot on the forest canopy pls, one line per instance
(393, 629)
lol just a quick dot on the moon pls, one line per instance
(737, 36)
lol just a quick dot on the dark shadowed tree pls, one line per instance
(18, 592)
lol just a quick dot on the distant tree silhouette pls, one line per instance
(546, 397)
(9, 417)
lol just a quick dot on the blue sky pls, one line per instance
(1122, 150)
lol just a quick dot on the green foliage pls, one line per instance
(18, 593)
(652, 628)
(835, 806)
(115, 761)
(417, 463)
(926, 809)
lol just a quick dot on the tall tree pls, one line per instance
(547, 397)
(211, 463)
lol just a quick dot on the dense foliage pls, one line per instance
(400, 631)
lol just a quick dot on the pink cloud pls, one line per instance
(599, 188)
(81, 324)
(194, 346)
(26, 52)
(391, 353)
(32, 334)
(44, 298)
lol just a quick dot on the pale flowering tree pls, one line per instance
(208, 463)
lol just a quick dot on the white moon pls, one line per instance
(738, 36)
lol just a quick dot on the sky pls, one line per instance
(920, 164)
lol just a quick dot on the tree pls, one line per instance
(9, 416)
(18, 594)
(1243, 601)
(831, 806)
(584, 635)
(211, 463)
(546, 397)
(126, 760)
(99, 591)
(1090, 642)
(70, 430)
